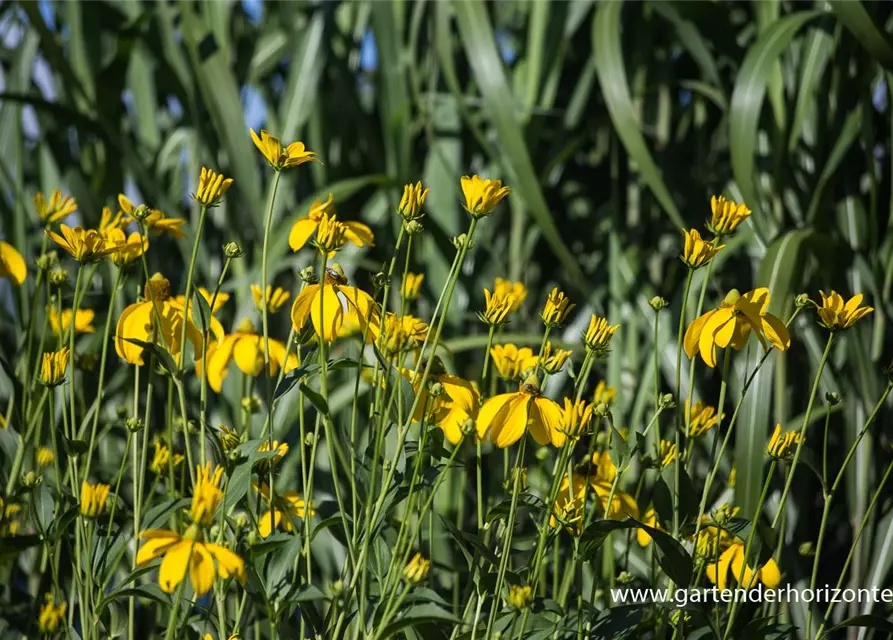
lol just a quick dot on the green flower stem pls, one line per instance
(681, 418)
(479, 485)
(203, 402)
(100, 385)
(812, 395)
(33, 421)
(829, 496)
(855, 545)
(71, 359)
(507, 535)
(749, 543)
(657, 363)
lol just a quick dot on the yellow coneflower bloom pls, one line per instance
(458, 404)
(666, 453)
(212, 186)
(208, 296)
(698, 252)
(497, 308)
(58, 208)
(837, 315)
(190, 551)
(650, 519)
(138, 322)
(598, 334)
(557, 308)
(701, 418)
(45, 457)
(285, 507)
(339, 302)
(745, 576)
(93, 499)
(161, 458)
(303, 229)
(229, 438)
(417, 569)
(402, 333)
(83, 320)
(281, 449)
(727, 215)
(503, 288)
(506, 417)
(53, 367)
(519, 597)
(602, 480)
(604, 393)
(52, 615)
(109, 221)
(125, 249)
(575, 420)
(569, 507)
(157, 222)
(278, 156)
(274, 299)
(412, 284)
(511, 362)
(84, 245)
(9, 514)
(482, 196)
(411, 203)
(552, 358)
(731, 324)
(12, 264)
(783, 444)
(246, 348)
(605, 469)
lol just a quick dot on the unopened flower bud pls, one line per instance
(806, 549)
(417, 569)
(240, 521)
(601, 410)
(657, 303)
(134, 424)
(832, 398)
(543, 453)
(308, 439)
(379, 280)
(215, 530)
(254, 538)
(519, 597)
(232, 250)
(31, 480)
(251, 404)
(337, 588)
(308, 275)
(44, 262)
(437, 390)
(467, 427)
(413, 227)
(141, 212)
(667, 401)
(459, 241)
(58, 276)
(625, 577)
(121, 412)
(801, 300)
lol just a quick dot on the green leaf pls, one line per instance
(162, 355)
(853, 15)
(609, 63)
(865, 621)
(417, 615)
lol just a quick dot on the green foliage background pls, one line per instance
(613, 122)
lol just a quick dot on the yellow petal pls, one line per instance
(218, 358)
(174, 566)
(300, 233)
(12, 264)
(359, 234)
(229, 564)
(549, 418)
(329, 322)
(491, 409)
(693, 334)
(135, 323)
(770, 575)
(201, 570)
(248, 353)
(155, 547)
(707, 342)
(509, 426)
(268, 522)
(776, 332)
(300, 309)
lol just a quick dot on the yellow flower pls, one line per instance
(504, 288)
(303, 229)
(280, 449)
(107, 221)
(698, 252)
(732, 323)
(58, 208)
(599, 333)
(783, 444)
(837, 315)
(575, 420)
(45, 457)
(557, 309)
(278, 156)
(162, 458)
(411, 203)
(552, 362)
(666, 453)
(84, 245)
(274, 299)
(511, 362)
(52, 615)
(93, 499)
(12, 264)
(288, 504)
(481, 196)
(229, 438)
(339, 303)
(650, 519)
(206, 494)
(702, 418)
(506, 417)
(83, 320)
(125, 249)
(53, 367)
(519, 597)
(9, 522)
(246, 348)
(208, 296)
(605, 469)
(138, 322)
(154, 220)
(604, 393)
(412, 284)
(727, 215)
(746, 577)
(212, 186)
(569, 507)
(219, 302)
(417, 569)
(498, 307)
(455, 407)
(401, 333)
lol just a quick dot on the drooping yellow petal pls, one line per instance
(159, 541)
(327, 320)
(489, 412)
(135, 323)
(509, 426)
(359, 234)
(228, 563)
(201, 570)
(776, 332)
(173, 567)
(218, 358)
(721, 321)
(12, 264)
(268, 522)
(248, 354)
(693, 334)
(300, 309)
(770, 574)
(301, 231)
(544, 426)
